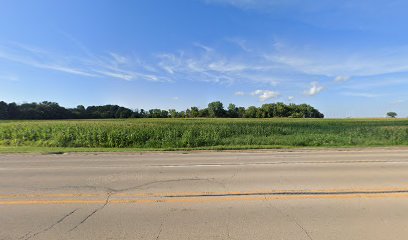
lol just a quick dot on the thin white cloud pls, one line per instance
(283, 65)
(113, 65)
(290, 98)
(124, 76)
(315, 88)
(264, 95)
(39, 59)
(204, 47)
(241, 43)
(360, 94)
(341, 78)
(65, 69)
(119, 58)
(239, 93)
(213, 66)
(320, 62)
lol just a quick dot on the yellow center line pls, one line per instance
(203, 199)
(192, 194)
(138, 198)
(53, 195)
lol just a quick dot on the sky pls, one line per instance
(347, 58)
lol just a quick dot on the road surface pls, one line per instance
(319, 194)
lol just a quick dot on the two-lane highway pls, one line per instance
(308, 194)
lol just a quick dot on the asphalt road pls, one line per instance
(353, 194)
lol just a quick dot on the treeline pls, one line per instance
(52, 110)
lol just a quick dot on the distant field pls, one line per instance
(170, 134)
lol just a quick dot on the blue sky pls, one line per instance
(347, 58)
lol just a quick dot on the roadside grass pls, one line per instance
(135, 135)
(61, 150)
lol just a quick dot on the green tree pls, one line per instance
(173, 113)
(13, 111)
(268, 110)
(281, 110)
(123, 113)
(155, 113)
(241, 112)
(194, 112)
(51, 110)
(232, 111)
(392, 114)
(3, 110)
(142, 113)
(216, 109)
(251, 112)
(188, 113)
(203, 113)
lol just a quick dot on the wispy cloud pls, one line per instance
(283, 65)
(119, 58)
(340, 66)
(39, 59)
(341, 78)
(241, 43)
(214, 66)
(315, 88)
(264, 95)
(204, 47)
(239, 93)
(361, 94)
(112, 65)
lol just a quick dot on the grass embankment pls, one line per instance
(185, 134)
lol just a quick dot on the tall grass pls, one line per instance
(193, 133)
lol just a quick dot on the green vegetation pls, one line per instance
(392, 114)
(171, 134)
(51, 110)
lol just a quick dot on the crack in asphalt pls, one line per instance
(25, 235)
(301, 227)
(112, 191)
(161, 225)
(284, 193)
(293, 219)
(160, 182)
(91, 214)
(28, 236)
(160, 230)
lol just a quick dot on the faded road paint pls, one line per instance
(203, 197)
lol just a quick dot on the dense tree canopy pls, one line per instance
(392, 114)
(51, 110)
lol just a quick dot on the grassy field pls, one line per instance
(173, 134)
